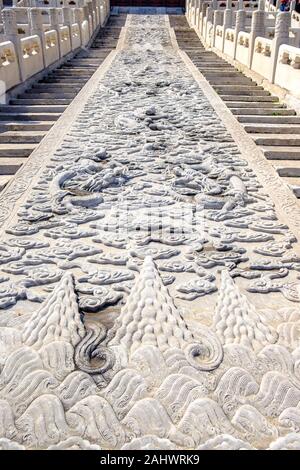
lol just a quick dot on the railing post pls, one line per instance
(218, 21)
(37, 28)
(78, 17)
(67, 16)
(90, 10)
(106, 8)
(227, 20)
(209, 16)
(197, 10)
(197, 14)
(240, 22)
(94, 5)
(282, 26)
(102, 12)
(228, 15)
(86, 17)
(203, 8)
(54, 24)
(258, 28)
(10, 30)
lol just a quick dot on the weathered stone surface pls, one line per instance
(149, 294)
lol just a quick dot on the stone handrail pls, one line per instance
(46, 36)
(31, 59)
(269, 45)
(289, 55)
(288, 69)
(51, 47)
(295, 19)
(9, 68)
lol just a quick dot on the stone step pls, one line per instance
(105, 42)
(232, 73)
(4, 180)
(290, 140)
(32, 109)
(250, 99)
(68, 77)
(287, 168)
(66, 81)
(40, 101)
(272, 128)
(203, 63)
(294, 184)
(36, 94)
(220, 81)
(86, 59)
(202, 55)
(84, 64)
(52, 88)
(215, 69)
(281, 153)
(16, 150)
(26, 126)
(29, 116)
(23, 137)
(269, 119)
(69, 72)
(263, 111)
(9, 166)
(251, 104)
(95, 53)
(73, 72)
(239, 90)
(74, 68)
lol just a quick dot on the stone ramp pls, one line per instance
(273, 127)
(27, 118)
(149, 294)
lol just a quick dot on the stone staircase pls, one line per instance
(272, 126)
(25, 120)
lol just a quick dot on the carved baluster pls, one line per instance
(202, 14)
(258, 28)
(11, 34)
(90, 12)
(54, 24)
(209, 17)
(218, 20)
(240, 23)
(227, 23)
(78, 18)
(282, 26)
(37, 28)
(102, 12)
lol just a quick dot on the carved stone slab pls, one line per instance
(149, 290)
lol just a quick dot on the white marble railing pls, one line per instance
(32, 58)
(9, 67)
(295, 19)
(264, 39)
(288, 69)
(51, 47)
(32, 39)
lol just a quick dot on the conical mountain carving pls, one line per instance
(150, 317)
(58, 319)
(236, 320)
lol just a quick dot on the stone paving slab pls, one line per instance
(148, 284)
